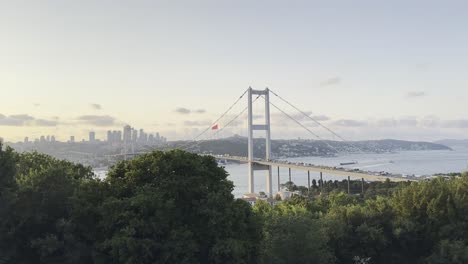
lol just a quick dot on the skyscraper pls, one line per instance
(134, 135)
(92, 136)
(72, 139)
(110, 137)
(118, 137)
(127, 134)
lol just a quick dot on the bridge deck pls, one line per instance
(326, 170)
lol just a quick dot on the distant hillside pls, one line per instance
(237, 146)
(453, 142)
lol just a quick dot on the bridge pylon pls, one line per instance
(265, 127)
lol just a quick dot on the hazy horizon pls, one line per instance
(367, 70)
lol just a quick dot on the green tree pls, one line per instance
(291, 235)
(175, 207)
(8, 160)
(453, 252)
(39, 217)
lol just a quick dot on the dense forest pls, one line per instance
(178, 207)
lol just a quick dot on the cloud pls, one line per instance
(7, 121)
(349, 123)
(321, 117)
(183, 111)
(44, 122)
(427, 122)
(200, 111)
(95, 106)
(283, 120)
(409, 122)
(415, 94)
(186, 111)
(24, 120)
(460, 123)
(197, 123)
(22, 117)
(331, 81)
(430, 121)
(98, 120)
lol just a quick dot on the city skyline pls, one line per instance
(111, 136)
(368, 70)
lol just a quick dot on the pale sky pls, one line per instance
(368, 69)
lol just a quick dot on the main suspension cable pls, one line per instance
(314, 120)
(216, 121)
(306, 128)
(186, 146)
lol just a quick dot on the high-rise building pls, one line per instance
(110, 137)
(127, 134)
(143, 139)
(26, 140)
(42, 139)
(52, 138)
(118, 137)
(72, 139)
(134, 135)
(92, 136)
(48, 138)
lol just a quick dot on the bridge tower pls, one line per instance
(251, 128)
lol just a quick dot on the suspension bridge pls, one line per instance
(267, 163)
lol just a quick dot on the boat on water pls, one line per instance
(348, 163)
(222, 162)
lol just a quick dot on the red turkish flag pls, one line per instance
(215, 127)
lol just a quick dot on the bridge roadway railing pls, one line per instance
(323, 169)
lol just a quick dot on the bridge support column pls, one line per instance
(290, 174)
(349, 179)
(250, 143)
(266, 128)
(362, 186)
(279, 182)
(269, 180)
(321, 182)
